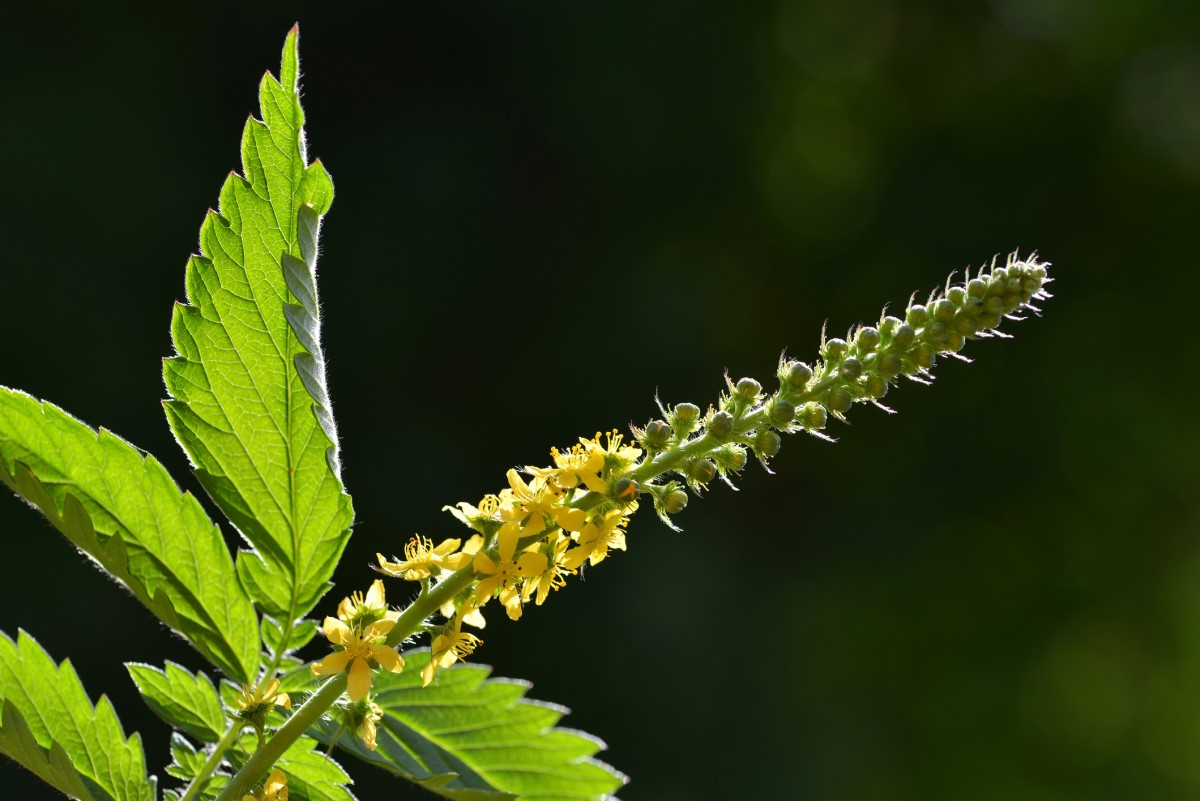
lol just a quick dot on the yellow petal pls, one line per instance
(284, 700)
(507, 540)
(334, 663)
(575, 557)
(447, 547)
(428, 672)
(375, 596)
(378, 629)
(570, 519)
(474, 618)
(457, 561)
(484, 564)
(336, 631)
(359, 681)
(387, 658)
(473, 544)
(530, 564)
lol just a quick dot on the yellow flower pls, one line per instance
(448, 648)
(580, 465)
(597, 538)
(422, 560)
(360, 646)
(506, 573)
(275, 789)
(366, 729)
(553, 577)
(466, 610)
(261, 698)
(357, 610)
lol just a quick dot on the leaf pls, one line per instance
(94, 485)
(250, 405)
(273, 635)
(51, 728)
(471, 738)
(184, 700)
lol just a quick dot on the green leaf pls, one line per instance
(273, 635)
(184, 700)
(93, 486)
(51, 728)
(471, 738)
(249, 404)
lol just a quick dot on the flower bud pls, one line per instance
(956, 295)
(955, 341)
(798, 375)
(867, 339)
(747, 389)
(875, 386)
(944, 310)
(625, 489)
(917, 315)
(977, 288)
(812, 416)
(834, 349)
(701, 471)
(781, 412)
(935, 333)
(683, 418)
(657, 434)
(720, 425)
(767, 443)
(889, 364)
(904, 336)
(838, 400)
(851, 369)
(965, 326)
(675, 501)
(925, 357)
(731, 458)
(888, 325)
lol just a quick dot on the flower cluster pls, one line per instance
(552, 521)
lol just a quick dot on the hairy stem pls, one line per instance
(214, 759)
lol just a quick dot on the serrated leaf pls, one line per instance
(51, 727)
(471, 738)
(184, 700)
(273, 634)
(250, 405)
(94, 486)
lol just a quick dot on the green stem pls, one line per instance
(214, 759)
(306, 716)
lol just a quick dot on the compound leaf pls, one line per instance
(120, 507)
(249, 403)
(51, 728)
(471, 738)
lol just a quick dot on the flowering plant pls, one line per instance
(249, 405)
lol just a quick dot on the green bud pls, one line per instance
(767, 443)
(994, 305)
(701, 471)
(875, 386)
(890, 364)
(626, 489)
(867, 339)
(917, 315)
(720, 425)
(834, 349)
(747, 389)
(977, 288)
(925, 357)
(888, 325)
(904, 336)
(955, 341)
(731, 458)
(798, 375)
(838, 399)
(851, 369)
(675, 501)
(956, 295)
(944, 310)
(935, 332)
(965, 326)
(813, 416)
(781, 412)
(657, 434)
(687, 412)
(989, 320)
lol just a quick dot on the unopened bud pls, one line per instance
(747, 389)
(767, 443)
(720, 425)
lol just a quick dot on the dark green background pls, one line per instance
(548, 212)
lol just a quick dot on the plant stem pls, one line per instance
(268, 754)
(214, 760)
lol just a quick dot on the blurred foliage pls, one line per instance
(994, 594)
